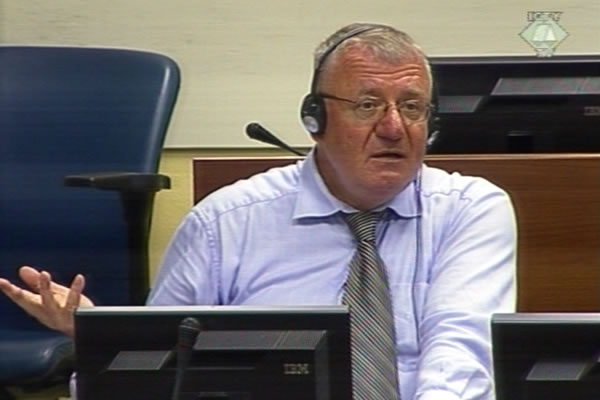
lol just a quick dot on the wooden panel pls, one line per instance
(209, 174)
(557, 203)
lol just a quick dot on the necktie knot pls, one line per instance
(363, 224)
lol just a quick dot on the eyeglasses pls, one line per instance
(374, 108)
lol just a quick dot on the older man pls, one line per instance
(421, 257)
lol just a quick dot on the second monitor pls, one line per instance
(516, 104)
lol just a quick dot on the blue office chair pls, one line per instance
(81, 134)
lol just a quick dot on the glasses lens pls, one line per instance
(369, 108)
(373, 108)
(414, 110)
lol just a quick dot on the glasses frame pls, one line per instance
(407, 121)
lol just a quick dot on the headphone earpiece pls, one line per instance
(313, 114)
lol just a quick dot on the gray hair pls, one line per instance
(385, 42)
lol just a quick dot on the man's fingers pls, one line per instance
(28, 301)
(31, 277)
(74, 295)
(54, 304)
(46, 293)
(15, 293)
(7, 287)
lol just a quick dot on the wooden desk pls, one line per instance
(556, 200)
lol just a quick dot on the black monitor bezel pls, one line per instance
(548, 120)
(101, 332)
(519, 340)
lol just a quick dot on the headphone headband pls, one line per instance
(353, 32)
(312, 112)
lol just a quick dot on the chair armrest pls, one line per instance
(136, 192)
(121, 181)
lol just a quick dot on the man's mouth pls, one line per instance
(388, 155)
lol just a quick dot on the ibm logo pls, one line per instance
(591, 111)
(296, 369)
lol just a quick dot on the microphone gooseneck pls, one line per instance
(256, 131)
(188, 332)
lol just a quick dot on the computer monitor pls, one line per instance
(516, 104)
(550, 356)
(241, 353)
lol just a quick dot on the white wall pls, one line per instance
(245, 60)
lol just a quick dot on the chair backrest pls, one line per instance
(67, 111)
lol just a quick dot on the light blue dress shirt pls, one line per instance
(448, 242)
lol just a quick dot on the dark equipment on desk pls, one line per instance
(241, 353)
(550, 356)
(516, 104)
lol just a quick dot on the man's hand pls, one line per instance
(50, 303)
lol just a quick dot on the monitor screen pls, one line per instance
(241, 353)
(550, 356)
(516, 104)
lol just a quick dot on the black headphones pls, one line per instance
(313, 113)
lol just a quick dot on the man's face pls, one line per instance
(366, 162)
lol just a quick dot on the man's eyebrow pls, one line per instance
(406, 94)
(412, 93)
(374, 92)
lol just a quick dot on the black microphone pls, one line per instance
(256, 131)
(188, 331)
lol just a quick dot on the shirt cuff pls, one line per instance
(73, 386)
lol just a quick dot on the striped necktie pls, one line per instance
(367, 295)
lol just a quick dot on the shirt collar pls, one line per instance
(314, 199)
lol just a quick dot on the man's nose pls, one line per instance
(391, 125)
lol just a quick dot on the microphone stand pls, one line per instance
(188, 333)
(256, 131)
